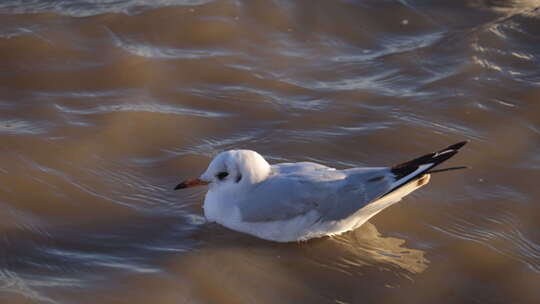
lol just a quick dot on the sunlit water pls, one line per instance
(106, 105)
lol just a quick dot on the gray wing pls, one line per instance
(334, 194)
(361, 187)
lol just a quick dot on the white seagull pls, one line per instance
(290, 202)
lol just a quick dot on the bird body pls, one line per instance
(298, 201)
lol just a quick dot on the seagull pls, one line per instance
(289, 202)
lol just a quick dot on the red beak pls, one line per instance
(190, 183)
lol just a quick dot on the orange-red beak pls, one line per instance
(190, 183)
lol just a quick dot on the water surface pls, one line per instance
(106, 105)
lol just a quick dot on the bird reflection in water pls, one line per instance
(309, 271)
(371, 248)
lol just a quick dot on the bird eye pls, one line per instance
(222, 175)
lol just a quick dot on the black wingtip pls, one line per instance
(403, 172)
(456, 146)
(433, 159)
(447, 169)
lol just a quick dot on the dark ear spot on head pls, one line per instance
(239, 178)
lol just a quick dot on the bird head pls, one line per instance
(231, 169)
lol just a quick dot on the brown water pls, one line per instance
(106, 105)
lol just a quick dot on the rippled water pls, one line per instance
(106, 105)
